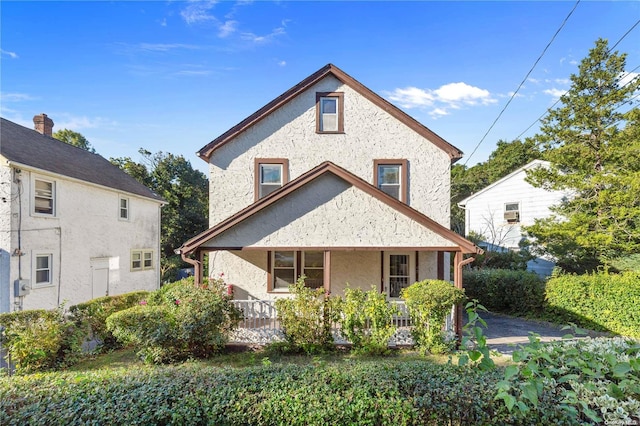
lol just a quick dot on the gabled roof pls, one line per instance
(29, 148)
(322, 169)
(534, 163)
(329, 69)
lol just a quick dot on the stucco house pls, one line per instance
(73, 227)
(330, 181)
(499, 211)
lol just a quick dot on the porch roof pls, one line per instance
(329, 207)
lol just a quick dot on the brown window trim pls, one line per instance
(256, 171)
(298, 261)
(404, 165)
(340, 96)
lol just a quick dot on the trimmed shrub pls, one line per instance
(40, 340)
(598, 301)
(382, 392)
(504, 290)
(366, 320)
(179, 321)
(429, 302)
(93, 315)
(307, 318)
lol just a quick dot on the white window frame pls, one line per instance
(52, 198)
(126, 209)
(324, 114)
(49, 268)
(141, 256)
(265, 189)
(338, 98)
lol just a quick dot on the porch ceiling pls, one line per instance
(329, 207)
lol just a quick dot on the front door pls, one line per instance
(399, 272)
(99, 277)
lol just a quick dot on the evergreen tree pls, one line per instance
(592, 142)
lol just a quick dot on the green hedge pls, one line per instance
(93, 315)
(598, 301)
(504, 290)
(374, 393)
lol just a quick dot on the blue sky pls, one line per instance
(173, 75)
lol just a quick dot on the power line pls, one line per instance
(558, 100)
(523, 81)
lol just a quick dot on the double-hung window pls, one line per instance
(330, 112)
(124, 208)
(141, 260)
(391, 177)
(42, 270)
(44, 197)
(271, 174)
(286, 266)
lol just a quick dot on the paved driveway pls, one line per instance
(504, 332)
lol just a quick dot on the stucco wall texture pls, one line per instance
(327, 212)
(86, 230)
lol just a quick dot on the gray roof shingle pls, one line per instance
(31, 148)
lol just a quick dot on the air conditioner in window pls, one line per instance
(511, 216)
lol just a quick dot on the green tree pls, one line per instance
(74, 138)
(592, 141)
(186, 192)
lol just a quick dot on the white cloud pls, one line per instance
(163, 23)
(15, 97)
(194, 72)
(12, 55)
(198, 11)
(412, 97)
(282, 63)
(165, 47)
(229, 27)
(555, 93)
(627, 77)
(562, 81)
(442, 100)
(533, 80)
(72, 122)
(265, 38)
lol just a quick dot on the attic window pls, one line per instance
(271, 174)
(391, 176)
(512, 212)
(329, 112)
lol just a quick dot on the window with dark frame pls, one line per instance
(271, 174)
(286, 266)
(330, 112)
(391, 176)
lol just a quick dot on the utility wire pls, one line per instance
(523, 81)
(558, 100)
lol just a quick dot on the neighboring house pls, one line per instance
(499, 211)
(73, 226)
(333, 182)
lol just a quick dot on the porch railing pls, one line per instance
(260, 324)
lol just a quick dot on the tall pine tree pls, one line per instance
(591, 140)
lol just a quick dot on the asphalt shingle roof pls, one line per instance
(28, 147)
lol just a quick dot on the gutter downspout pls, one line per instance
(457, 280)
(197, 267)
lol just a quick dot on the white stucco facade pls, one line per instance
(85, 247)
(331, 205)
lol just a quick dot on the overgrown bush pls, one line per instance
(429, 302)
(503, 290)
(588, 380)
(40, 340)
(93, 314)
(599, 301)
(366, 320)
(307, 318)
(178, 321)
